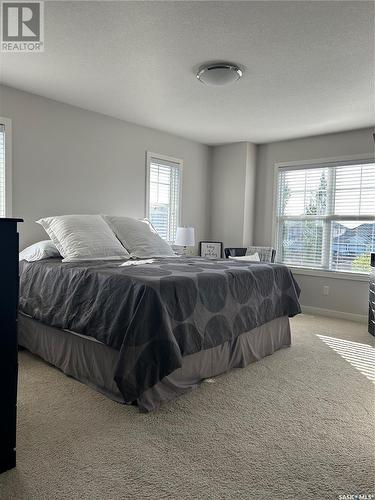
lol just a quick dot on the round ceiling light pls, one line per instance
(219, 74)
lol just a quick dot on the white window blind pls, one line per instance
(2, 170)
(164, 188)
(326, 216)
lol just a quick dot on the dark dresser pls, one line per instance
(371, 302)
(8, 340)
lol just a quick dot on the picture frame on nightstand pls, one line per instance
(211, 249)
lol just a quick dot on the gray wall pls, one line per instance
(68, 160)
(233, 193)
(347, 296)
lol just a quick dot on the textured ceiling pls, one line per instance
(309, 65)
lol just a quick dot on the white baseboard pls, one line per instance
(317, 311)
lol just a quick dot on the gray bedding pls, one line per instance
(94, 363)
(156, 314)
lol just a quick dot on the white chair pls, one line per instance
(266, 254)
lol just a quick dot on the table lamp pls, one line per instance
(185, 237)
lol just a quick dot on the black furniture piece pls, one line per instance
(371, 301)
(8, 341)
(234, 252)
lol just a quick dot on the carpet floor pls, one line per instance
(296, 425)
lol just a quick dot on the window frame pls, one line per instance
(7, 122)
(149, 156)
(316, 163)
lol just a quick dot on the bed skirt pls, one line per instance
(93, 363)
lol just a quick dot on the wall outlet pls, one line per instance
(326, 290)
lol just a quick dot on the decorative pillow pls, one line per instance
(83, 237)
(139, 237)
(248, 258)
(42, 250)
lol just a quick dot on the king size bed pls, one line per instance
(146, 333)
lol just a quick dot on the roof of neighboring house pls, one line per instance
(363, 234)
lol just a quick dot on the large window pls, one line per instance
(325, 216)
(163, 196)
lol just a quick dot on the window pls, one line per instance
(325, 216)
(5, 168)
(2, 170)
(164, 194)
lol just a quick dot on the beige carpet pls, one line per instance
(297, 425)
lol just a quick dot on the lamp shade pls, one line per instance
(185, 237)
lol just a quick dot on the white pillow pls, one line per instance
(139, 237)
(39, 251)
(248, 258)
(83, 237)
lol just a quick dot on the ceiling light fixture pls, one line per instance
(219, 74)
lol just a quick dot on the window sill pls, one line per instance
(329, 274)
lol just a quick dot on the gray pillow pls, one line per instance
(139, 237)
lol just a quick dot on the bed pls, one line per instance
(146, 333)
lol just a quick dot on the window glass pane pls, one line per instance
(164, 175)
(159, 219)
(355, 190)
(303, 192)
(154, 174)
(351, 245)
(302, 243)
(153, 192)
(163, 193)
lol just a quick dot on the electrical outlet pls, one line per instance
(326, 290)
